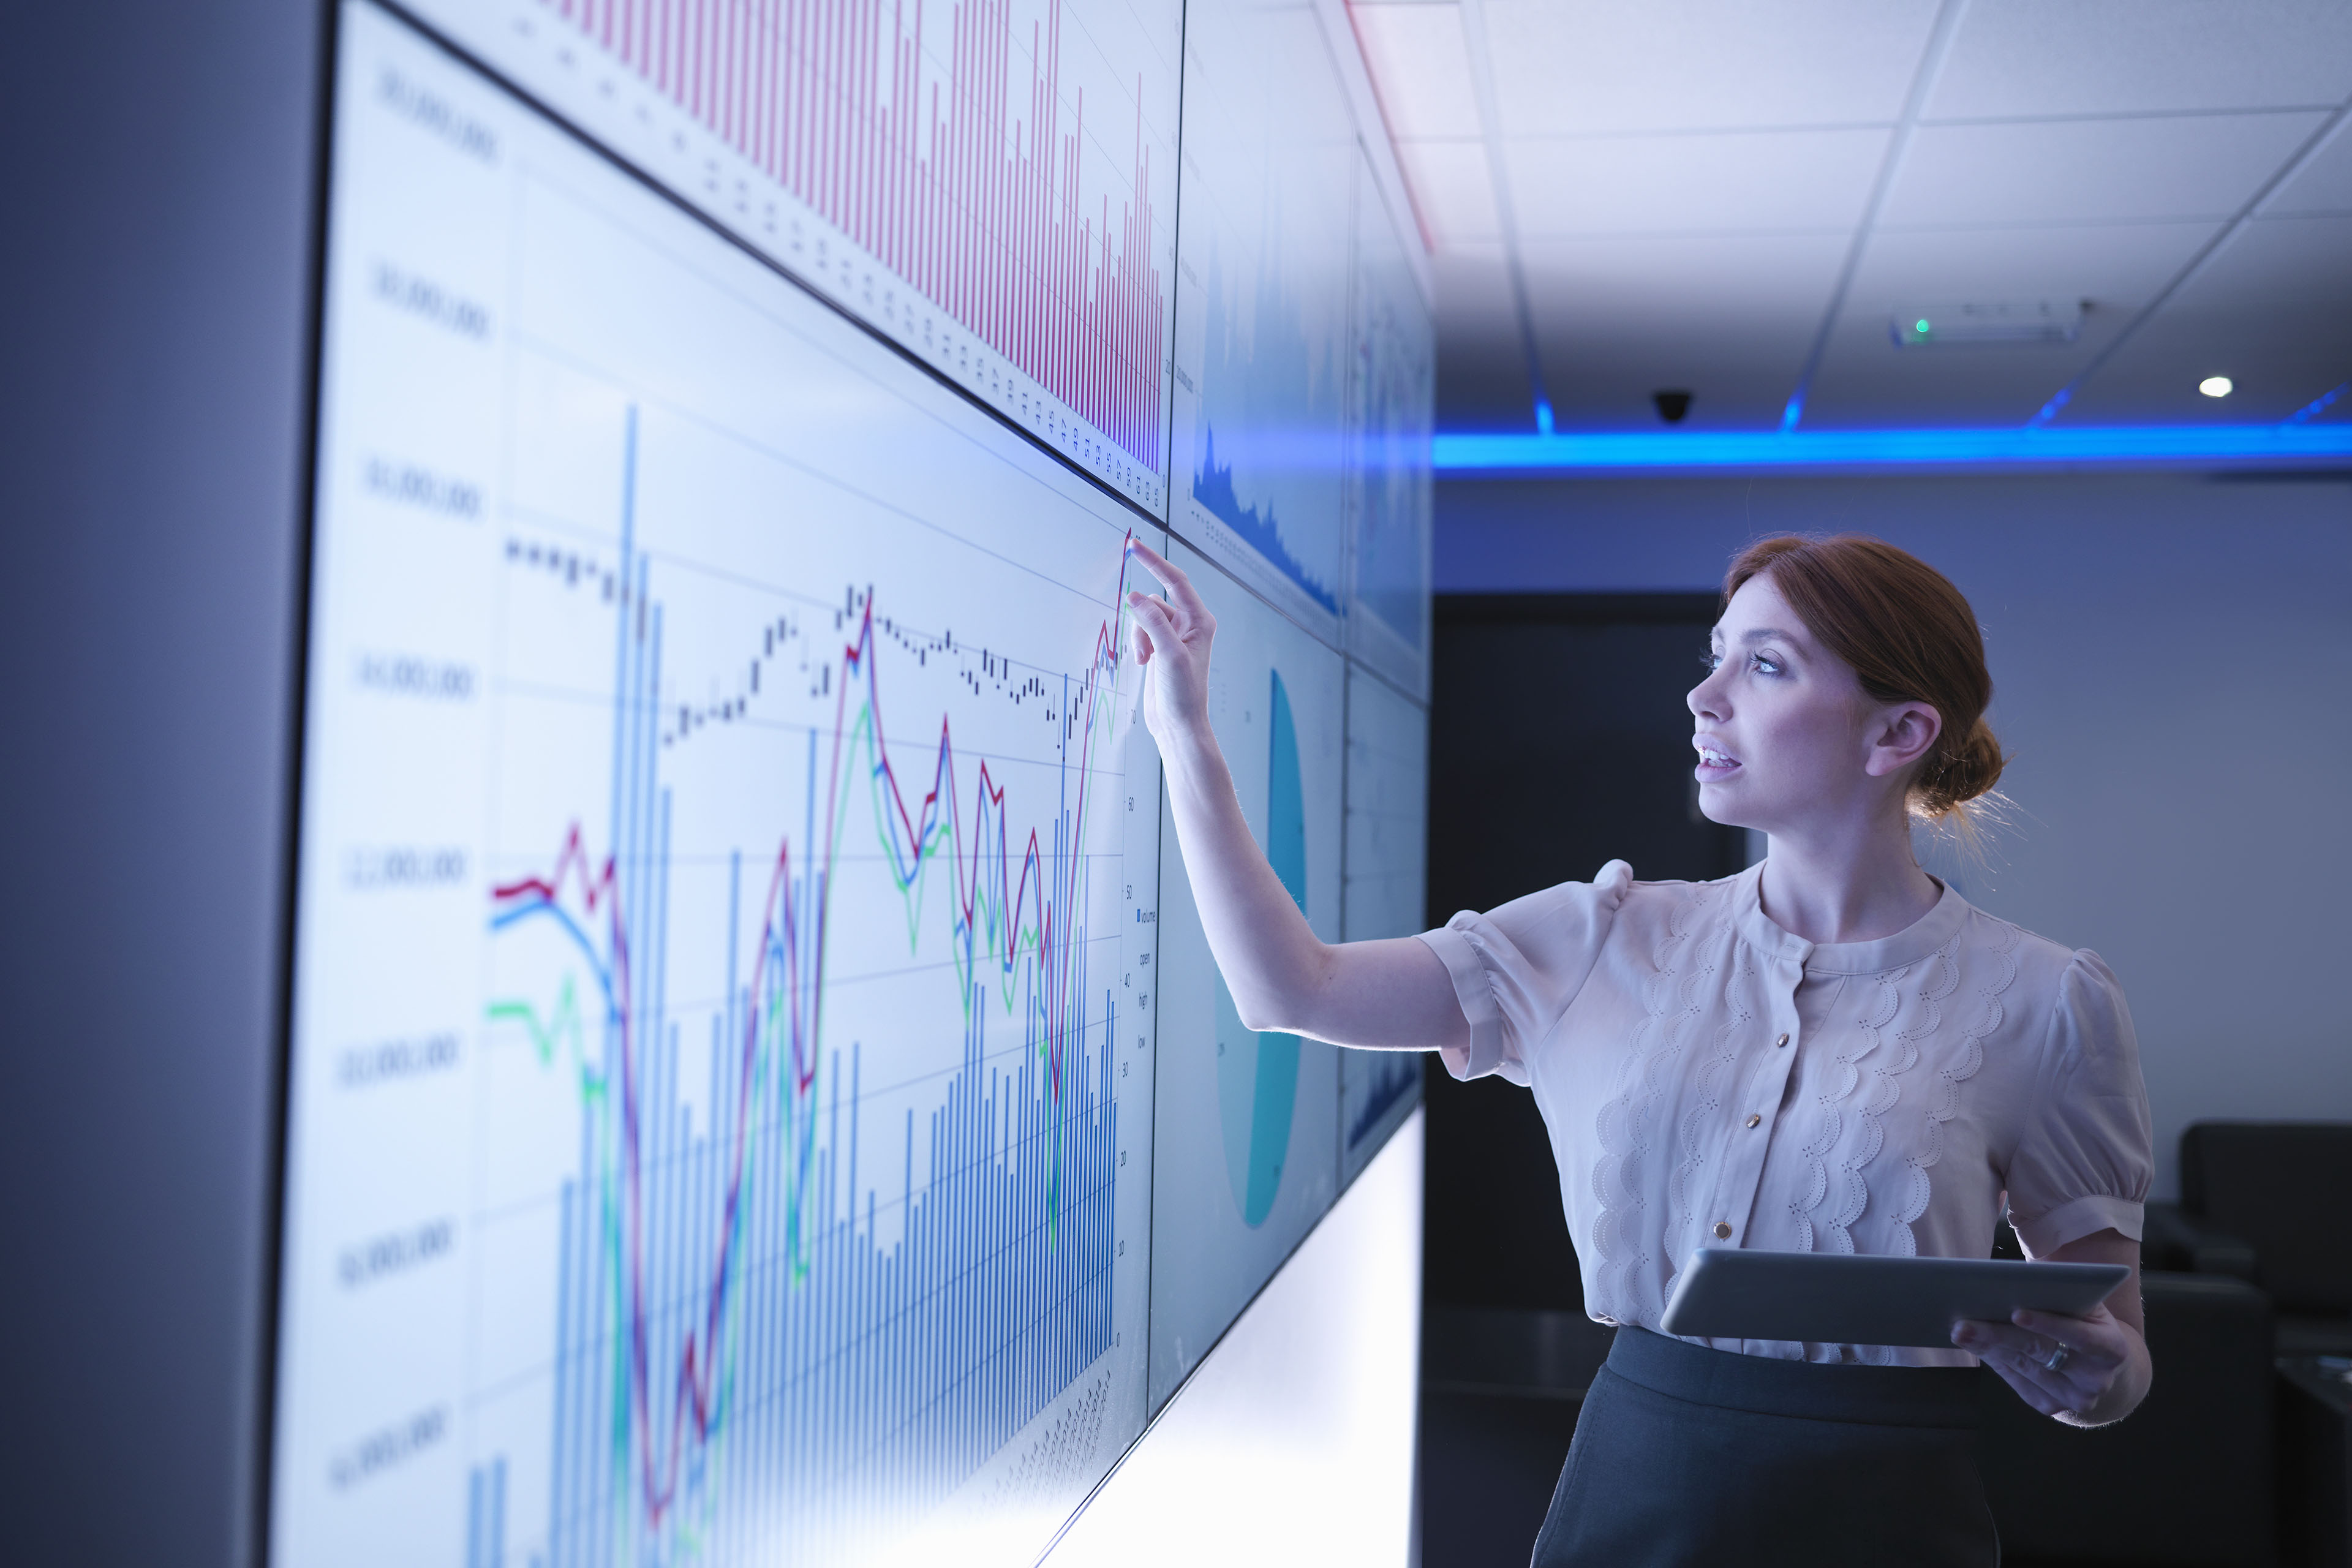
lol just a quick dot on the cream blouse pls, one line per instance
(1710, 1079)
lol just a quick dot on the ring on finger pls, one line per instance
(2058, 1357)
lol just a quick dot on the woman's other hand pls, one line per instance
(1171, 642)
(2027, 1353)
(2085, 1371)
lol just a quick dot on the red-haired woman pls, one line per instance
(1832, 1051)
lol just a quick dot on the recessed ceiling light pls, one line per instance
(2216, 386)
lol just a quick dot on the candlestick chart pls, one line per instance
(989, 182)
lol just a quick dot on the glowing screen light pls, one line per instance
(762, 901)
(725, 1064)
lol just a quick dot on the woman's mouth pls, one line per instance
(1715, 763)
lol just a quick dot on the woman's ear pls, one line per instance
(1906, 732)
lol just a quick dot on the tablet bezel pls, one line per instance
(1818, 1298)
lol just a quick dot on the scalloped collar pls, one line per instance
(1909, 945)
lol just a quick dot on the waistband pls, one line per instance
(1815, 1391)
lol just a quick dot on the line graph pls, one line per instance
(783, 1312)
(725, 1117)
(720, 1119)
(988, 181)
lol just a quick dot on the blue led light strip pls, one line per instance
(2318, 406)
(2327, 446)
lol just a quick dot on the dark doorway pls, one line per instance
(1558, 741)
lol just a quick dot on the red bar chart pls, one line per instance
(988, 181)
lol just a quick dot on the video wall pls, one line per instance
(759, 1089)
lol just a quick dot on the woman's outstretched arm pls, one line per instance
(1395, 992)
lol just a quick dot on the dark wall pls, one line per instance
(1558, 741)
(2071, 575)
(160, 168)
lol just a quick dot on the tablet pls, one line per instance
(1829, 1298)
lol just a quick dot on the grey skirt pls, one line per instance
(1685, 1455)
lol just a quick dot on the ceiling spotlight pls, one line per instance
(1672, 405)
(2216, 386)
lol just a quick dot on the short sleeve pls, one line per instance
(2087, 1156)
(1517, 967)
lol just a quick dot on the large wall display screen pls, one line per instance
(1391, 501)
(1246, 1158)
(727, 1071)
(1387, 857)
(721, 855)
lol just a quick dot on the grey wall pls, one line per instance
(2173, 659)
(157, 175)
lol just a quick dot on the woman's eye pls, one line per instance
(1763, 664)
(1710, 661)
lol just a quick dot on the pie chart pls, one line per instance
(1257, 1074)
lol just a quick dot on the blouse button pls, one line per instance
(1723, 1230)
(1753, 1119)
(1782, 1041)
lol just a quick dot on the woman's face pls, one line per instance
(1784, 730)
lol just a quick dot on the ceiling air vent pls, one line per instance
(1930, 326)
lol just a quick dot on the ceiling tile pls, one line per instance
(1482, 371)
(2090, 171)
(1452, 190)
(1483, 389)
(1421, 68)
(2127, 57)
(1779, 180)
(2323, 184)
(1728, 319)
(1472, 284)
(2117, 268)
(1866, 382)
(1673, 65)
(2270, 310)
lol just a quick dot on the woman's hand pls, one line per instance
(2061, 1366)
(2085, 1371)
(1393, 994)
(1172, 641)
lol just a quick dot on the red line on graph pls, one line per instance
(1053, 881)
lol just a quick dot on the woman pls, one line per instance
(1831, 1051)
